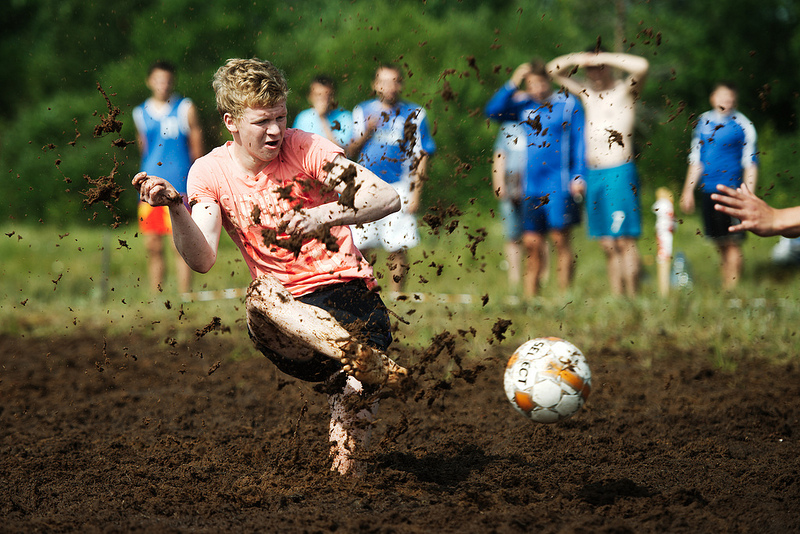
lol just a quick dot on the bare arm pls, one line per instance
(750, 177)
(196, 236)
(418, 176)
(635, 66)
(756, 215)
(563, 67)
(363, 198)
(687, 195)
(499, 175)
(196, 145)
(359, 140)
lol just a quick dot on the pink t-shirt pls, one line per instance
(251, 205)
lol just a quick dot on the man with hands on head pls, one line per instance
(612, 195)
(286, 198)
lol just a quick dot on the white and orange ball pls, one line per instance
(547, 379)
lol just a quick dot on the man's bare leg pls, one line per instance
(613, 264)
(731, 264)
(513, 254)
(629, 254)
(352, 415)
(154, 245)
(533, 242)
(398, 269)
(297, 331)
(182, 271)
(564, 257)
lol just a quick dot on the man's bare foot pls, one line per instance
(371, 366)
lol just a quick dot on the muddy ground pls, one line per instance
(128, 434)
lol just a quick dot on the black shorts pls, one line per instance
(358, 309)
(716, 223)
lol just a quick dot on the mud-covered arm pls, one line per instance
(363, 197)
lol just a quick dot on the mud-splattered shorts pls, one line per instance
(358, 309)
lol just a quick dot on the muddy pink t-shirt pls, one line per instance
(252, 207)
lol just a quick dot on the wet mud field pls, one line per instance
(128, 434)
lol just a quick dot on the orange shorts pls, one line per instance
(154, 219)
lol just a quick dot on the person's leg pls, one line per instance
(564, 257)
(182, 271)
(533, 262)
(398, 269)
(731, 264)
(352, 416)
(513, 255)
(308, 342)
(629, 255)
(613, 265)
(154, 247)
(511, 212)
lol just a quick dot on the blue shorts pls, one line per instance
(511, 211)
(554, 211)
(612, 202)
(716, 223)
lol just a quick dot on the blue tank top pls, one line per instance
(166, 153)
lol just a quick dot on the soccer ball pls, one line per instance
(547, 379)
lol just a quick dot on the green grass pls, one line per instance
(59, 281)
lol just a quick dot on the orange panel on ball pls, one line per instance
(524, 401)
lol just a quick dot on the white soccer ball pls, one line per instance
(547, 379)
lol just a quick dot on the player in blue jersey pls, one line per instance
(723, 152)
(392, 139)
(554, 123)
(324, 117)
(169, 139)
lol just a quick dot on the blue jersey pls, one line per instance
(555, 137)
(402, 137)
(340, 122)
(724, 145)
(166, 132)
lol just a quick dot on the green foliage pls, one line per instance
(454, 54)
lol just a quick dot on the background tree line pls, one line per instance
(455, 54)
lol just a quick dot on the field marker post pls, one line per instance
(665, 228)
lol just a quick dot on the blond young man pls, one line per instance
(286, 198)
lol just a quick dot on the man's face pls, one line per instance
(600, 76)
(320, 97)
(161, 83)
(387, 85)
(260, 130)
(723, 99)
(538, 87)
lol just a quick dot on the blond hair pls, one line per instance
(248, 83)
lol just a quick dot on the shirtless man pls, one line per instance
(612, 182)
